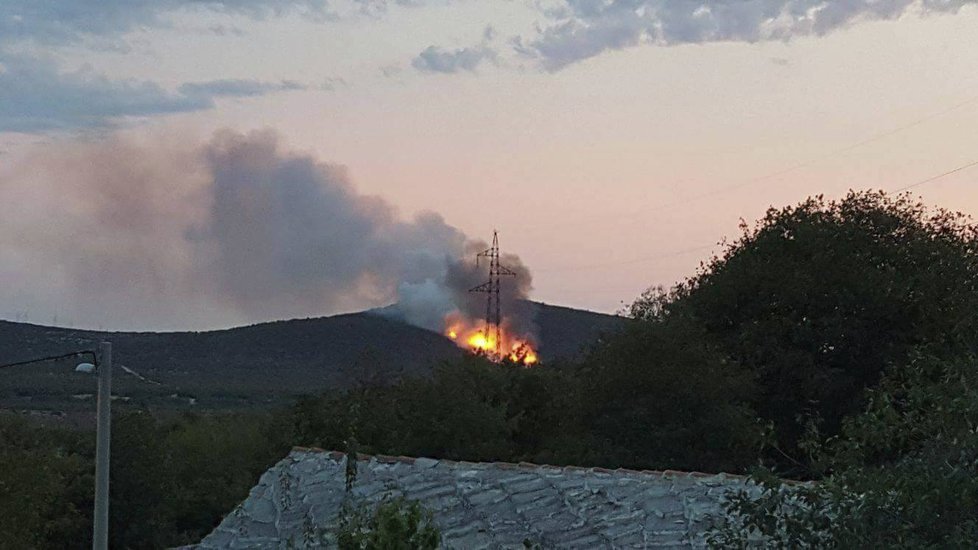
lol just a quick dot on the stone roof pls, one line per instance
(481, 505)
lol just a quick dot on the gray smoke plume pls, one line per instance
(579, 29)
(161, 235)
(465, 275)
(427, 303)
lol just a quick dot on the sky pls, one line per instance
(196, 164)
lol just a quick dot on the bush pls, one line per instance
(46, 483)
(396, 524)
(901, 475)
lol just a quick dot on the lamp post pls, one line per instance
(102, 365)
(100, 536)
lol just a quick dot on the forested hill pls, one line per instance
(565, 331)
(562, 332)
(255, 364)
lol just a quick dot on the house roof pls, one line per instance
(480, 505)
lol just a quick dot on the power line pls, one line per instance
(52, 358)
(696, 249)
(625, 262)
(794, 167)
(49, 358)
(937, 177)
(835, 152)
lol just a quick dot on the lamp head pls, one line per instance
(87, 368)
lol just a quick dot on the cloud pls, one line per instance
(580, 29)
(57, 22)
(377, 8)
(332, 83)
(54, 22)
(43, 97)
(36, 97)
(434, 59)
(437, 60)
(225, 30)
(237, 88)
(391, 70)
(162, 234)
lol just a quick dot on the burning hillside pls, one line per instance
(499, 336)
(482, 338)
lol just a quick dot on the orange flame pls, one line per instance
(473, 336)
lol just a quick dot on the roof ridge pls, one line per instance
(389, 459)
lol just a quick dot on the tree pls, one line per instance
(901, 475)
(141, 482)
(45, 487)
(213, 462)
(171, 483)
(461, 412)
(820, 298)
(663, 395)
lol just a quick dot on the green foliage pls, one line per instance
(214, 461)
(664, 396)
(820, 298)
(469, 409)
(140, 483)
(653, 397)
(901, 475)
(396, 524)
(45, 487)
(171, 481)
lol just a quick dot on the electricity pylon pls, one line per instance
(491, 287)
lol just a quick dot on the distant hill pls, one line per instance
(563, 332)
(566, 332)
(253, 365)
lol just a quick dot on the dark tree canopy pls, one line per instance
(665, 396)
(818, 299)
(900, 475)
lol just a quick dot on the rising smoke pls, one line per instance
(465, 275)
(160, 235)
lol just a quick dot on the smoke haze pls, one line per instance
(124, 234)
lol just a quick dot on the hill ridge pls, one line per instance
(259, 363)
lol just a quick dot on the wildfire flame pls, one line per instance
(475, 337)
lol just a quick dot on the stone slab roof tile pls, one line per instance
(480, 505)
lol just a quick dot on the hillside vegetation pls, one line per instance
(254, 366)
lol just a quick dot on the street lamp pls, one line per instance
(101, 364)
(86, 368)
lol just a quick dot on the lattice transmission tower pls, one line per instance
(491, 287)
